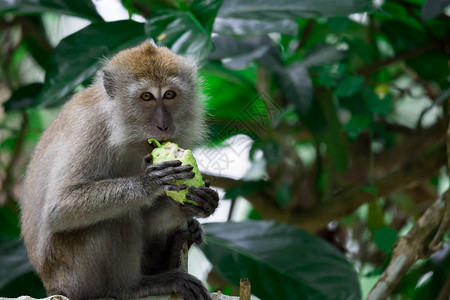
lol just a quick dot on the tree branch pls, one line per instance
(408, 250)
(372, 68)
(344, 203)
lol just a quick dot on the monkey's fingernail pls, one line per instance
(183, 186)
(207, 183)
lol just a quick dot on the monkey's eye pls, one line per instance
(169, 94)
(147, 96)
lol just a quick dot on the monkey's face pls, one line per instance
(162, 110)
(155, 95)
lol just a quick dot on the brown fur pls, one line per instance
(89, 204)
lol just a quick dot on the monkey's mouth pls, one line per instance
(153, 144)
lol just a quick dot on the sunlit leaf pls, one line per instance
(181, 32)
(281, 261)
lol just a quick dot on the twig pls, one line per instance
(306, 33)
(372, 68)
(245, 289)
(408, 250)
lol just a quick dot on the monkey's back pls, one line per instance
(56, 161)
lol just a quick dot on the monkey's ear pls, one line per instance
(108, 83)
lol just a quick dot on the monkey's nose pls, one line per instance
(163, 128)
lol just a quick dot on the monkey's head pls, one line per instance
(153, 94)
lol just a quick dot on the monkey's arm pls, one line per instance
(87, 203)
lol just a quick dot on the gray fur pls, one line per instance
(94, 216)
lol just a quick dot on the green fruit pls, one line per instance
(168, 151)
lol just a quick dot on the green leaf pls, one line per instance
(243, 27)
(290, 9)
(349, 86)
(281, 261)
(79, 56)
(403, 36)
(357, 124)
(332, 136)
(23, 97)
(205, 11)
(385, 239)
(13, 259)
(246, 188)
(432, 8)
(379, 106)
(80, 8)
(322, 54)
(375, 218)
(181, 32)
(238, 53)
(436, 66)
(338, 24)
(284, 194)
(296, 85)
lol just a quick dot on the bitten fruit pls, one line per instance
(168, 151)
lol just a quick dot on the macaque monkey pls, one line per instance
(94, 215)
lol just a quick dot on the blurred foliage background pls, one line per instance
(340, 105)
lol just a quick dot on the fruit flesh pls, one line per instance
(168, 151)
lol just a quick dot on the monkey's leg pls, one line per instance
(174, 281)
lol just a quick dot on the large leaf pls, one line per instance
(296, 85)
(281, 261)
(181, 32)
(23, 97)
(13, 260)
(80, 8)
(432, 8)
(185, 32)
(79, 56)
(237, 26)
(290, 9)
(205, 11)
(237, 53)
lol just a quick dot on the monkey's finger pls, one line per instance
(173, 187)
(164, 165)
(204, 204)
(207, 182)
(171, 171)
(178, 176)
(205, 192)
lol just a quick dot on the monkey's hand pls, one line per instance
(166, 172)
(205, 197)
(193, 234)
